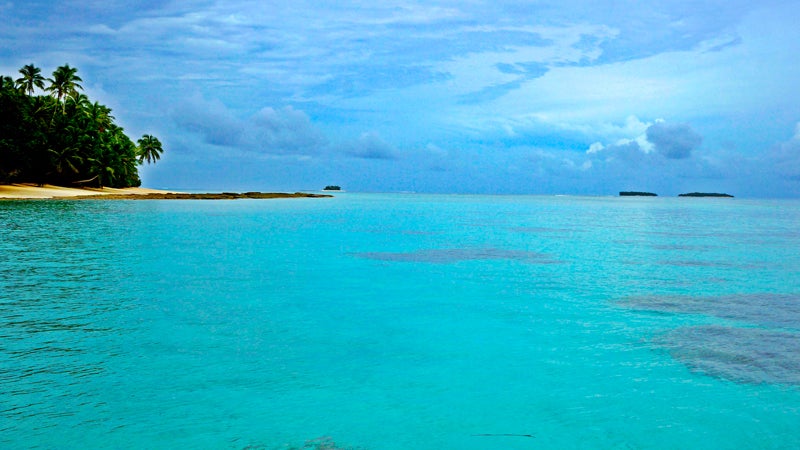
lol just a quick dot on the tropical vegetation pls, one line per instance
(61, 137)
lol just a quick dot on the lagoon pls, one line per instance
(398, 321)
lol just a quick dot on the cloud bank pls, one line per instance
(673, 141)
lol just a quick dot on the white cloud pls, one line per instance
(211, 119)
(596, 147)
(479, 70)
(784, 159)
(682, 85)
(284, 131)
(407, 14)
(101, 29)
(370, 146)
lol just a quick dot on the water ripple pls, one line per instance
(447, 256)
(765, 309)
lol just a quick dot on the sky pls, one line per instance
(469, 96)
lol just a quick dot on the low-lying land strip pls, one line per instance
(32, 191)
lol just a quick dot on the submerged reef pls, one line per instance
(755, 341)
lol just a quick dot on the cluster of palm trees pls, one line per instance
(62, 137)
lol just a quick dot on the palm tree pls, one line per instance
(149, 149)
(102, 166)
(127, 172)
(80, 101)
(100, 116)
(66, 158)
(64, 83)
(6, 83)
(31, 78)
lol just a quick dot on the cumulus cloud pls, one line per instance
(370, 146)
(673, 141)
(784, 159)
(628, 152)
(596, 147)
(285, 130)
(626, 165)
(270, 131)
(211, 120)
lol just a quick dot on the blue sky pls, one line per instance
(539, 97)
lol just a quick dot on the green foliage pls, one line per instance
(31, 79)
(64, 83)
(64, 138)
(149, 149)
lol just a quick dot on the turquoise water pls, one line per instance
(400, 322)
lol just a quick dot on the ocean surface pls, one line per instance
(371, 321)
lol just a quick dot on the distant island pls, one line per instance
(62, 137)
(332, 188)
(637, 194)
(705, 194)
(690, 194)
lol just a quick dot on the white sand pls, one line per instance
(32, 191)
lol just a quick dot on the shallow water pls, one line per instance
(400, 321)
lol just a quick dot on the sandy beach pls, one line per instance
(33, 191)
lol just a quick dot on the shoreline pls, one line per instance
(27, 191)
